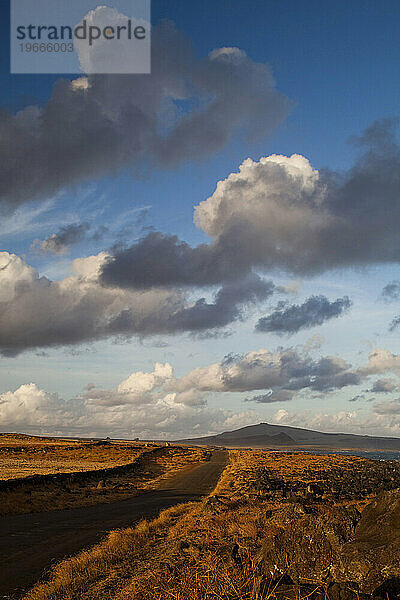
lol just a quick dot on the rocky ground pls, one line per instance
(354, 481)
(332, 524)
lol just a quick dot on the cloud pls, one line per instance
(59, 243)
(394, 324)
(138, 389)
(127, 56)
(391, 291)
(279, 213)
(388, 408)
(355, 421)
(164, 260)
(357, 398)
(228, 305)
(37, 312)
(187, 109)
(30, 409)
(273, 396)
(314, 311)
(290, 216)
(281, 375)
(30, 406)
(381, 360)
(383, 386)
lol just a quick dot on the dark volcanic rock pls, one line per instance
(339, 547)
(356, 482)
(309, 545)
(373, 557)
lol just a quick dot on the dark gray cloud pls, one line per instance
(227, 307)
(272, 396)
(164, 260)
(98, 125)
(391, 291)
(383, 386)
(68, 235)
(82, 310)
(291, 319)
(357, 398)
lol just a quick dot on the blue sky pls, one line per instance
(337, 64)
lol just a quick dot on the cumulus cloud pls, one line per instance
(357, 398)
(31, 406)
(314, 311)
(59, 243)
(281, 213)
(186, 109)
(30, 409)
(281, 375)
(128, 56)
(36, 312)
(381, 360)
(306, 221)
(164, 260)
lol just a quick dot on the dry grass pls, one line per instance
(22, 456)
(69, 457)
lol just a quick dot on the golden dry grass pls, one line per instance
(70, 456)
(21, 456)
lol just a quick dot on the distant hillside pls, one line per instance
(282, 435)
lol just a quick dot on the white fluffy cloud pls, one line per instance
(138, 389)
(277, 192)
(381, 360)
(160, 416)
(125, 56)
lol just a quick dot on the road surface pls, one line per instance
(30, 544)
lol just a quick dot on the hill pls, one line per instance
(268, 435)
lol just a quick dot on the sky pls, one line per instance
(212, 245)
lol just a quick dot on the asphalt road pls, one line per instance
(30, 544)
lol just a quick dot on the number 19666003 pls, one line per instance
(49, 47)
